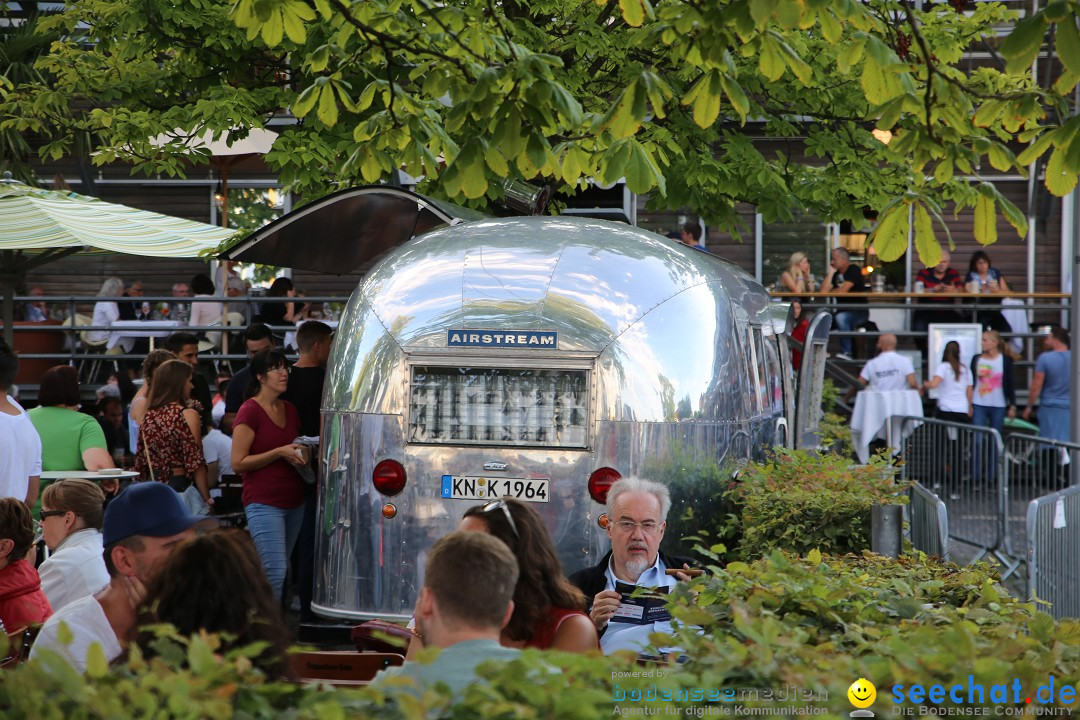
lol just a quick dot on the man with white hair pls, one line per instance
(637, 517)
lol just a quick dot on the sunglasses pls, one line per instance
(501, 505)
(51, 513)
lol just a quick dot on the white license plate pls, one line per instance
(472, 487)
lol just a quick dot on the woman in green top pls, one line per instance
(70, 440)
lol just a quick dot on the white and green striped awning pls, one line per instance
(36, 219)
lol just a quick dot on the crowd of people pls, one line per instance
(844, 277)
(122, 561)
(164, 431)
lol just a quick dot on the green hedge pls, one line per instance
(823, 622)
(800, 501)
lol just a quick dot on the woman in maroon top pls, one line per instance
(263, 452)
(170, 444)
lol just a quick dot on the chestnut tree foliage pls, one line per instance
(702, 103)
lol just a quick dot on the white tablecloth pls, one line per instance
(122, 330)
(1017, 319)
(872, 408)
(888, 319)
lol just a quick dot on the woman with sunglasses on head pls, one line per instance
(263, 452)
(549, 612)
(71, 517)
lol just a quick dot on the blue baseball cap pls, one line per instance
(147, 508)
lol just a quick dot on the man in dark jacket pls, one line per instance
(637, 517)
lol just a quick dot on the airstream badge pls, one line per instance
(494, 466)
(530, 339)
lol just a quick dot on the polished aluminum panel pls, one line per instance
(588, 279)
(369, 566)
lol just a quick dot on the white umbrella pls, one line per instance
(225, 150)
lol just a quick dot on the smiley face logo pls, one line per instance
(862, 693)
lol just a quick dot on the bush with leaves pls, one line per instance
(821, 622)
(835, 429)
(190, 679)
(800, 501)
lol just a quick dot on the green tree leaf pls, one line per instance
(704, 98)
(926, 244)
(1068, 44)
(327, 111)
(1023, 43)
(831, 29)
(985, 220)
(771, 59)
(879, 81)
(1036, 149)
(890, 237)
(97, 666)
(1059, 181)
(735, 96)
(633, 12)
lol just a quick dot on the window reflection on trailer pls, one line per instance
(536, 357)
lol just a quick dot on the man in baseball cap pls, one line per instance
(142, 526)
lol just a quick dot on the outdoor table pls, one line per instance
(872, 409)
(121, 330)
(88, 475)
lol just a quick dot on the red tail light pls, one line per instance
(389, 477)
(601, 481)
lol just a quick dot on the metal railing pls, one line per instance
(63, 312)
(960, 464)
(928, 522)
(1053, 552)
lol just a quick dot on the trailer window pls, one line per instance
(498, 406)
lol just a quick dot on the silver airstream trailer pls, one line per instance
(540, 358)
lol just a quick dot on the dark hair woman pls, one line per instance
(170, 438)
(279, 313)
(953, 382)
(70, 440)
(989, 278)
(151, 362)
(71, 515)
(263, 452)
(548, 610)
(228, 595)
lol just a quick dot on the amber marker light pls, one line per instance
(389, 511)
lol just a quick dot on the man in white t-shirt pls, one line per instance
(889, 370)
(217, 451)
(142, 526)
(20, 445)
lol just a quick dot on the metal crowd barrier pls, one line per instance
(1053, 552)
(1034, 467)
(928, 522)
(960, 465)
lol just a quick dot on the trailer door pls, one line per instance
(812, 381)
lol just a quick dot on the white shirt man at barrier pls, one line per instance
(889, 370)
